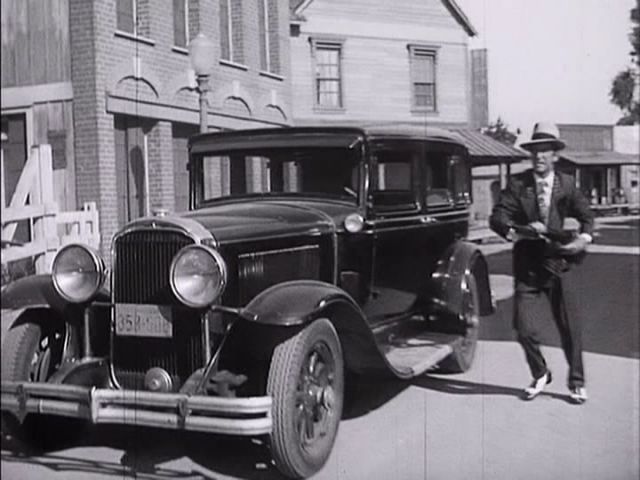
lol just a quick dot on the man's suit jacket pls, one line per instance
(518, 206)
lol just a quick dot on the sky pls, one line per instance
(551, 60)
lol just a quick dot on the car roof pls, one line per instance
(321, 136)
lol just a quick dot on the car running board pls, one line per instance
(412, 353)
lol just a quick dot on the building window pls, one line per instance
(328, 77)
(268, 32)
(423, 78)
(126, 16)
(231, 38)
(180, 23)
(132, 16)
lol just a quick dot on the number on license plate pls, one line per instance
(143, 320)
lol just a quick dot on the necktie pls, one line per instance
(543, 205)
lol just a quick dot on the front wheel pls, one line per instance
(32, 352)
(464, 348)
(306, 382)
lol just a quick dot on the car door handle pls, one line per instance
(427, 219)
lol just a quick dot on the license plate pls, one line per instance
(143, 320)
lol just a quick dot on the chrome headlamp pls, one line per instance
(198, 275)
(78, 272)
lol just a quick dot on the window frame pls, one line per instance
(265, 36)
(459, 193)
(416, 52)
(134, 18)
(236, 54)
(335, 44)
(185, 7)
(416, 151)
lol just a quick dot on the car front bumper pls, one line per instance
(232, 416)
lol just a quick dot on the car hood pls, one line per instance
(254, 220)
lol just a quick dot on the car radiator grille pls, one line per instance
(180, 356)
(141, 276)
(141, 267)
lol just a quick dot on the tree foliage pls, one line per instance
(622, 90)
(624, 86)
(500, 131)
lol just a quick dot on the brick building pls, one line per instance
(108, 84)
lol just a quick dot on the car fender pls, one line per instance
(461, 259)
(296, 303)
(36, 292)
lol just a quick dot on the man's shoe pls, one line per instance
(537, 386)
(578, 395)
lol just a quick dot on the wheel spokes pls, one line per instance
(314, 398)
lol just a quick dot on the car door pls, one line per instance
(397, 226)
(446, 179)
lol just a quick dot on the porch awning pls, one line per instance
(605, 158)
(484, 150)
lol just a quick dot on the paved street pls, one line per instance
(469, 426)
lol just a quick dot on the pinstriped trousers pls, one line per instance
(537, 299)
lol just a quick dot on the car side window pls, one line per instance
(392, 181)
(447, 180)
(438, 191)
(461, 170)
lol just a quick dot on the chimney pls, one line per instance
(479, 89)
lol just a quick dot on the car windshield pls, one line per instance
(317, 171)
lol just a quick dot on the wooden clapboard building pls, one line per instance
(407, 61)
(363, 61)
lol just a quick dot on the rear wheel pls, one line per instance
(464, 349)
(306, 382)
(32, 353)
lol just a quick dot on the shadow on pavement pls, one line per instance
(59, 463)
(145, 450)
(365, 394)
(463, 387)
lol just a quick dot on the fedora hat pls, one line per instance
(545, 134)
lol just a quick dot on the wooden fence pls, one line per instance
(33, 202)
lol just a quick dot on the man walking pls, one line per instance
(534, 204)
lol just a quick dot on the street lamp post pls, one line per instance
(201, 54)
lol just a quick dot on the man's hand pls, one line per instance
(539, 227)
(579, 244)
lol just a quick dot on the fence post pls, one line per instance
(2, 174)
(45, 228)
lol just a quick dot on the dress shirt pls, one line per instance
(545, 196)
(544, 192)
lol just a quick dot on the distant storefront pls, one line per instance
(603, 161)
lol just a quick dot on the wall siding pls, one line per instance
(35, 42)
(375, 60)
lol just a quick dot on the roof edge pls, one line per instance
(462, 18)
(296, 12)
(452, 6)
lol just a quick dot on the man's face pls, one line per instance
(543, 160)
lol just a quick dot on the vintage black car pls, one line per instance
(307, 253)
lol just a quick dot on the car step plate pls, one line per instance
(420, 352)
